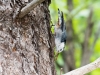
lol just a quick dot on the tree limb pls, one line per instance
(76, 11)
(85, 69)
(29, 7)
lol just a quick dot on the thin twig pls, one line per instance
(61, 71)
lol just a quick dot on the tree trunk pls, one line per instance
(68, 56)
(26, 43)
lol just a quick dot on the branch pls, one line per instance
(77, 10)
(85, 69)
(29, 7)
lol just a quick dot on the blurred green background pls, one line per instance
(82, 18)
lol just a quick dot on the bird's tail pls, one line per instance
(60, 19)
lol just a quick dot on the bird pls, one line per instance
(60, 32)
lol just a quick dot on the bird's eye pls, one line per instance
(61, 50)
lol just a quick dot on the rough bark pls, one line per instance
(25, 44)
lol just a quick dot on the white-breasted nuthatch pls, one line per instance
(60, 33)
